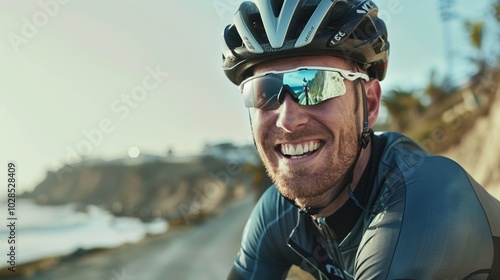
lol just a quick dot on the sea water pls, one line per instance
(51, 231)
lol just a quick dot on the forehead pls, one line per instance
(295, 62)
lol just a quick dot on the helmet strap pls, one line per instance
(365, 134)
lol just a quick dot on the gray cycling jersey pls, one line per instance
(426, 218)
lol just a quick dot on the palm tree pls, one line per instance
(476, 37)
(403, 106)
(475, 29)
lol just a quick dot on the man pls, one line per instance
(347, 204)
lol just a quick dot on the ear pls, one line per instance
(373, 94)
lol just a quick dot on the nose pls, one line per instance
(291, 115)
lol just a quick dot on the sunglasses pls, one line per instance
(306, 86)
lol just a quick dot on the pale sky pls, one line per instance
(101, 77)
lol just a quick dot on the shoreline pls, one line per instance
(186, 251)
(28, 270)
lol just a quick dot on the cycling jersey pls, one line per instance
(423, 218)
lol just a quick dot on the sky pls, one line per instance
(102, 79)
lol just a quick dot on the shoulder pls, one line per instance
(270, 224)
(431, 215)
(402, 151)
(427, 182)
(406, 160)
(273, 212)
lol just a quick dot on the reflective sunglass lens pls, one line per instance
(305, 86)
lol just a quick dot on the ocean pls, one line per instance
(51, 231)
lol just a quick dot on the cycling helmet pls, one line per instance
(271, 29)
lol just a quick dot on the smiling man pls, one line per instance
(347, 204)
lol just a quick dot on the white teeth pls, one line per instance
(299, 149)
(306, 148)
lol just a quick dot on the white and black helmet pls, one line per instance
(270, 29)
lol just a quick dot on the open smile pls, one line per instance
(299, 150)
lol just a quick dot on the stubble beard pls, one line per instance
(310, 183)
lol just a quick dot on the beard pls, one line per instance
(327, 174)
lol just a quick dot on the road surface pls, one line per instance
(205, 251)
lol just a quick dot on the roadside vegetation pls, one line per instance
(439, 113)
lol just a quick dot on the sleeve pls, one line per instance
(263, 252)
(433, 227)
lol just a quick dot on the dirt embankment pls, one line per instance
(479, 148)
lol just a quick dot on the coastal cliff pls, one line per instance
(179, 189)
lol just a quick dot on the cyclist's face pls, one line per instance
(308, 149)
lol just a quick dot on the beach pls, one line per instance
(201, 251)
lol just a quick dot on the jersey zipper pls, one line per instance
(331, 246)
(291, 244)
(321, 274)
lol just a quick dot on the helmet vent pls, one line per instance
(365, 30)
(277, 5)
(266, 30)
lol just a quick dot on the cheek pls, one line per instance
(335, 112)
(260, 123)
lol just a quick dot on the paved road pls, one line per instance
(202, 252)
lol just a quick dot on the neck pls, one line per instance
(343, 197)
